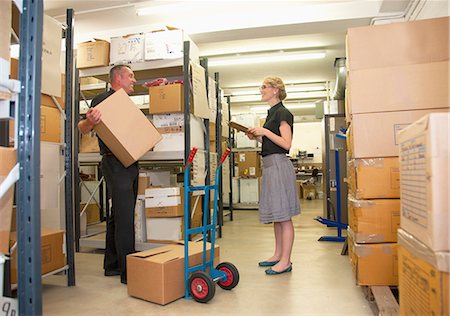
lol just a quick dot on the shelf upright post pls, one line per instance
(219, 148)
(231, 141)
(204, 64)
(70, 160)
(28, 188)
(76, 164)
(187, 93)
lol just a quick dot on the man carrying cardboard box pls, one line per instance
(122, 182)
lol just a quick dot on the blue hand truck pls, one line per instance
(199, 283)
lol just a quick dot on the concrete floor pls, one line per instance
(321, 283)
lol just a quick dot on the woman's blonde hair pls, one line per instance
(276, 82)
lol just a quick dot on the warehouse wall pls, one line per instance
(308, 136)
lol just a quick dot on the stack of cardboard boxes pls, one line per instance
(424, 237)
(397, 74)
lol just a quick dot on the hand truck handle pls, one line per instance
(225, 155)
(192, 155)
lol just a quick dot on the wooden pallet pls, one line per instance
(384, 298)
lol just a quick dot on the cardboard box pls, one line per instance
(45, 99)
(374, 221)
(125, 129)
(164, 202)
(92, 213)
(52, 254)
(376, 178)
(164, 229)
(50, 124)
(399, 88)
(127, 49)
(173, 135)
(93, 54)
(166, 99)
(48, 101)
(424, 279)
(424, 174)
(164, 45)
(376, 134)
(143, 183)
(405, 43)
(8, 157)
(5, 26)
(374, 264)
(157, 275)
(89, 143)
(248, 163)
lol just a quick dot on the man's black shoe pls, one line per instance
(123, 281)
(112, 272)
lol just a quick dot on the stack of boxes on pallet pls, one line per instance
(397, 74)
(424, 237)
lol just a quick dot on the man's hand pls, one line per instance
(93, 116)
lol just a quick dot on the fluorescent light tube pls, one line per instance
(245, 60)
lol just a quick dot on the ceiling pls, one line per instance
(230, 27)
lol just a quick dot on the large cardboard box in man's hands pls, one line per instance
(157, 275)
(125, 129)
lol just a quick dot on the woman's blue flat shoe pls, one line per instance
(273, 272)
(268, 263)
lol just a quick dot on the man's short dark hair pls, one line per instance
(116, 70)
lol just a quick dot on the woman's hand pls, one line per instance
(257, 131)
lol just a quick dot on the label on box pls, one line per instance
(160, 201)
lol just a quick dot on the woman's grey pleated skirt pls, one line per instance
(278, 200)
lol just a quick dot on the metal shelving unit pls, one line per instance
(28, 187)
(144, 71)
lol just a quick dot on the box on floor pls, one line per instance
(373, 264)
(424, 174)
(424, 278)
(157, 275)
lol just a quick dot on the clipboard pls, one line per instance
(238, 127)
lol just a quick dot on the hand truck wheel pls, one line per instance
(201, 286)
(232, 275)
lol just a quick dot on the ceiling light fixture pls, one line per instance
(289, 106)
(289, 89)
(264, 58)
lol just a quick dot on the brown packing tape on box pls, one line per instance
(374, 264)
(374, 221)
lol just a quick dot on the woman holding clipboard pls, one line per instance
(278, 199)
